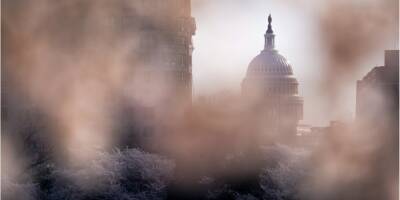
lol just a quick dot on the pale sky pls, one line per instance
(230, 33)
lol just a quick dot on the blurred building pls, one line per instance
(271, 86)
(162, 66)
(157, 37)
(164, 53)
(378, 91)
(315, 136)
(309, 136)
(377, 100)
(377, 118)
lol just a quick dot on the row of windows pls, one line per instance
(175, 62)
(168, 76)
(154, 39)
(282, 89)
(131, 23)
(292, 110)
(280, 70)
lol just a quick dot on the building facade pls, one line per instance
(164, 50)
(161, 60)
(271, 86)
(377, 102)
(378, 91)
(377, 119)
(149, 40)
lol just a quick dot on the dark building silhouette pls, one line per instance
(377, 117)
(377, 100)
(271, 86)
(378, 91)
(158, 35)
(164, 53)
(162, 67)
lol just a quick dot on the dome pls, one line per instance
(271, 86)
(269, 62)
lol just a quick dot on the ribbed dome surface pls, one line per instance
(271, 86)
(269, 62)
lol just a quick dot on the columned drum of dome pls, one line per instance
(270, 84)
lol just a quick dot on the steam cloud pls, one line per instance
(69, 61)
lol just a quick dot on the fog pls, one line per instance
(351, 41)
(74, 84)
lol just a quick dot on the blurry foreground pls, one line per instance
(91, 110)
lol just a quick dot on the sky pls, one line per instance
(230, 33)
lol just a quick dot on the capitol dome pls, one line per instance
(269, 62)
(270, 84)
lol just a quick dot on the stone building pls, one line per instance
(378, 91)
(377, 119)
(271, 86)
(164, 52)
(161, 60)
(377, 100)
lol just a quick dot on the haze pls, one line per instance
(230, 33)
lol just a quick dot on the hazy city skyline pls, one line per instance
(230, 33)
(107, 99)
